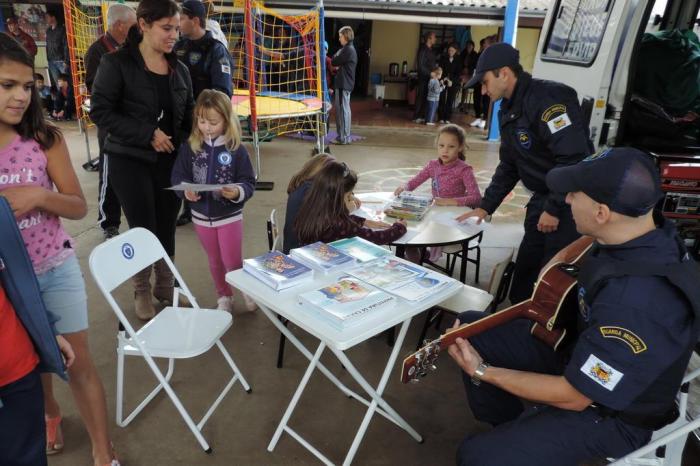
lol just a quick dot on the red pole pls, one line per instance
(250, 51)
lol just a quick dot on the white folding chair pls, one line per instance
(174, 333)
(667, 444)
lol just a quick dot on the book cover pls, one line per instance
(277, 270)
(322, 257)
(424, 286)
(388, 273)
(360, 249)
(346, 301)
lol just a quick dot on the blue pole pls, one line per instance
(510, 29)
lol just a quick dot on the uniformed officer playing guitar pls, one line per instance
(639, 320)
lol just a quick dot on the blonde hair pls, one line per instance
(211, 99)
(348, 33)
(308, 171)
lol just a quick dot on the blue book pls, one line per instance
(322, 257)
(360, 249)
(277, 270)
(346, 302)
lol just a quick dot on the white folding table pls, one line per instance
(285, 303)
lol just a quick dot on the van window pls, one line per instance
(657, 14)
(577, 31)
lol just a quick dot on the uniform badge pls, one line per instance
(524, 139)
(559, 123)
(597, 155)
(583, 308)
(225, 158)
(225, 69)
(194, 58)
(601, 373)
(635, 343)
(553, 111)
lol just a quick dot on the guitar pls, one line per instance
(554, 293)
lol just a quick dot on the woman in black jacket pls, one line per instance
(451, 70)
(142, 97)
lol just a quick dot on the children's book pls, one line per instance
(360, 249)
(346, 302)
(409, 206)
(322, 257)
(277, 270)
(388, 272)
(424, 286)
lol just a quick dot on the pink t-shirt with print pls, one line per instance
(24, 163)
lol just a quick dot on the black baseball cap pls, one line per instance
(623, 178)
(494, 57)
(195, 8)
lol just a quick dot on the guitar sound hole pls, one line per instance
(570, 269)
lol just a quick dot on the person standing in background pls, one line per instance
(120, 18)
(346, 61)
(425, 63)
(56, 48)
(20, 36)
(451, 69)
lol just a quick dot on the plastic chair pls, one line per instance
(465, 300)
(174, 333)
(454, 251)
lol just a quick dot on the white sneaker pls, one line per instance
(447, 122)
(482, 124)
(224, 303)
(250, 305)
(476, 122)
(419, 120)
(430, 123)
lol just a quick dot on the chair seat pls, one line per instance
(455, 248)
(468, 299)
(201, 327)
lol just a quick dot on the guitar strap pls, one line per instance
(685, 276)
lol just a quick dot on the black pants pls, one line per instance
(421, 97)
(22, 428)
(109, 211)
(536, 248)
(140, 187)
(447, 101)
(540, 434)
(481, 102)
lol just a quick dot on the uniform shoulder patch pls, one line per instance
(601, 373)
(559, 123)
(553, 111)
(635, 343)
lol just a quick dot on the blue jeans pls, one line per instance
(430, 112)
(56, 68)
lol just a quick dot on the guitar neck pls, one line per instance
(481, 325)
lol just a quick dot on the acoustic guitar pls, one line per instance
(554, 294)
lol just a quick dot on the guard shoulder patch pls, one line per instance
(559, 123)
(553, 111)
(601, 373)
(635, 343)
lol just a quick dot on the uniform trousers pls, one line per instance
(537, 248)
(140, 187)
(539, 434)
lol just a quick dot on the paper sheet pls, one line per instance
(198, 187)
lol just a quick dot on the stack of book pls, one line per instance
(409, 206)
(402, 279)
(322, 257)
(346, 302)
(277, 270)
(360, 249)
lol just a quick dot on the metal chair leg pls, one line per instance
(428, 319)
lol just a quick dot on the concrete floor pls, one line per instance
(244, 423)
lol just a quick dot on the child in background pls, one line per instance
(41, 186)
(453, 181)
(44, 92)
(435, 88)
(215, 155)
(64, 103)
(325, 213)
(299, 185)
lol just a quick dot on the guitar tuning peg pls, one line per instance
(414, 379)
(432, 367)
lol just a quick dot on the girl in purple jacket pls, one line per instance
(214, 155)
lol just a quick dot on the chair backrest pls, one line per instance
(500, 279)
(274, 238)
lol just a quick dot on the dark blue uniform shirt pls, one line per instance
(209, 63)
(542, 127)
(635, 330)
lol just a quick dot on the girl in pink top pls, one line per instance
(453, 181)
(38, 181)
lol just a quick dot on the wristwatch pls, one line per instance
(479, 372)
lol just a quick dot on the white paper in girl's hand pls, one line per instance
(198, 188)
(468, 225)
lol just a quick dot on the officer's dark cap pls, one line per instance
(195, 8)
(494, 57)
(624, 179)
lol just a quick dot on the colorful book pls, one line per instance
(346, 302)
(388, 273)
(277, 270)
(409, 206)
(322, 257)
(361, 249)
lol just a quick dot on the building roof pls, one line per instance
(540, 5)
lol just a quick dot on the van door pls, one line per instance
(580, 46)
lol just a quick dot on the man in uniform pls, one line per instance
(542, 127)
(602, 395)
(120, 18)
(207, 59)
